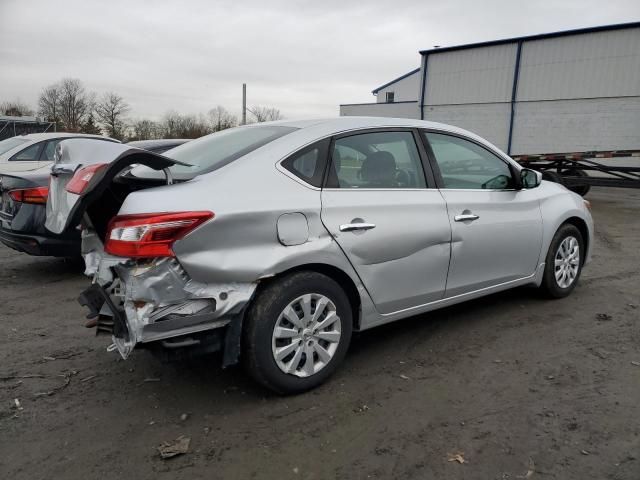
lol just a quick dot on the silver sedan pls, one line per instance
(273, 242)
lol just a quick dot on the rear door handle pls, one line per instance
(465, 216)
(352, 227)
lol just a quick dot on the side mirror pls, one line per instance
(530, 178)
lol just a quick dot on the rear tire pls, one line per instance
(296, 333)
(563, 263)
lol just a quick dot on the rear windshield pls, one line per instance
(221, 148)
(9, 143)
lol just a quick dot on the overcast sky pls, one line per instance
(303, 57)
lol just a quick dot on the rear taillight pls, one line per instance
(152, 234)
(82, 177)
(37, 195)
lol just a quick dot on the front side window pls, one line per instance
(466, 165)
(29, 154)
(376, 160)
(309, 163)
(390, 97)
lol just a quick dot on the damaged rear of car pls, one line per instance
(141, 294)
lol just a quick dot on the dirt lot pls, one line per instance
(524, 387)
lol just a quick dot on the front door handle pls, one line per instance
(465, 216)
(352, 227)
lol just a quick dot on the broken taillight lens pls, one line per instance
(82, 177)
(37, 195)
(152, 234)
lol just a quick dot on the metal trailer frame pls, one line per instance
(571, 170)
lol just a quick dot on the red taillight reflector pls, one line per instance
(37, 195)
(150, 234)
(82, 177)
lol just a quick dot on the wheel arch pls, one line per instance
(338, 275)
(582, 227)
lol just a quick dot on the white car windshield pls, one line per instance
(221, 148)
(9, 143)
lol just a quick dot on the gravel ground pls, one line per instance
(514, 385)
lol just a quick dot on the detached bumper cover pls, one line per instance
(157, 300)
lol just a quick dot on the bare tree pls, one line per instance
(221, 119)
(265, 114)
(75, 104)
(144, 129)
(176, 125)
(49, 104)
(15, 108)
(111, 110)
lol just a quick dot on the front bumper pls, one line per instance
(40, 245)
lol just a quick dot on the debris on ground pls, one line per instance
(90, 377)
(184, 417)
(15, 377)
(151, 379)
(637, 364)
(404, 377)
(67, 380)
(605, 317)
(179, 446)
(530, 471)
(585, 452)
(456, 457)
(600, 353)
(361, 408)
(16, 404)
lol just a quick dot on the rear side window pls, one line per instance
(308, 164)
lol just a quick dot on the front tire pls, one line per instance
(297, 332)
(564, 261)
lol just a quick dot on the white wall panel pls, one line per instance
(398, 110)
(566, 126)
(490, 121)
(477, 75)
(404, 90)
(601, 64)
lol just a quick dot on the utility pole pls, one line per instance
(244, 104)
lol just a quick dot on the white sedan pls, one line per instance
(29, 152)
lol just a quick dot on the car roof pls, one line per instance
(51, 135)
(350, 123)
(332, 126)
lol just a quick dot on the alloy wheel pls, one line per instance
(567, 262)
(306, 335)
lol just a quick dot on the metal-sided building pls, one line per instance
(562, 92)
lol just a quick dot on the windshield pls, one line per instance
(9, 143)
(218, 149)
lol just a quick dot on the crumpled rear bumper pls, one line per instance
(141, 302)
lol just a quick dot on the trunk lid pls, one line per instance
(66, 209)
